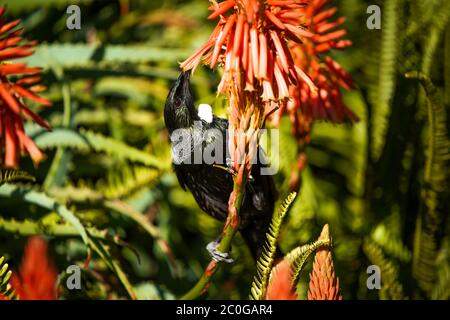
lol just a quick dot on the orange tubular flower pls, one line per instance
(251, 42)
(17, 82)
(322, 284)
(38, 276)
(325, 103)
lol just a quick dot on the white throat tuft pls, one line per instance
(205, 112)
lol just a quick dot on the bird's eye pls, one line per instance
(177, 102)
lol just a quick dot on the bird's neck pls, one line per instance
(181, 118)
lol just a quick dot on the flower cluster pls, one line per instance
(329, 77)
(251, 43)
(18, 83)
(278, 46)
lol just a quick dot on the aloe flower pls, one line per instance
(38, 277)
(326, 102)
(251, 42)
(323, 285)
(18, 83)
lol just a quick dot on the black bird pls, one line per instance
(212, 183)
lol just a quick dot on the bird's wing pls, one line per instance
(181, 176)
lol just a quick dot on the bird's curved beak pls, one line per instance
(184, 80)
(181, 88)
(184, 76)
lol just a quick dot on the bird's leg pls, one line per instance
(229, 168)
(216, 254)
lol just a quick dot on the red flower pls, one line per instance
(38, 276)
(281, 283)
(18, 82)
(251, 42)
(329, 77)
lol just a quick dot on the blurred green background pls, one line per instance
(108, 158)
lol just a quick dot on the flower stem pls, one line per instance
(229, 231)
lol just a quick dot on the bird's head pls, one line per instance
(179, 111)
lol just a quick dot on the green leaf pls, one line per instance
(265, 262)
(299, 255)
(433, 195)
(42, 200)
(103, 251)
(5, 276)
(11, 176)
(391, 288)
(82, 55)
(22, 5)
(392, 244)
(98, 246)
(86, 141)
(127, 181)
(387, 61)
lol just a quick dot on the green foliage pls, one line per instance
(11, 176)
(265, 262)
(429, 221)
(42, 200)
(299, 255)
(385, 86)
(19, 5)
(391, 289)
(437, 27)
(84, 141)
(441, 291)
(126, 182)
(391, 244)
(5, 275)
(48, 203)
(79, 55)
(106, 190)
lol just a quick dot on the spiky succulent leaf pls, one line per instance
(299, 255)
(11, 176)
(265, 262)
(433, 195)
(5, 275)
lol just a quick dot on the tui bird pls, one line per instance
(212, 183)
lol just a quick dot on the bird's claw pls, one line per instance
(216, 254)
(229, 163)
